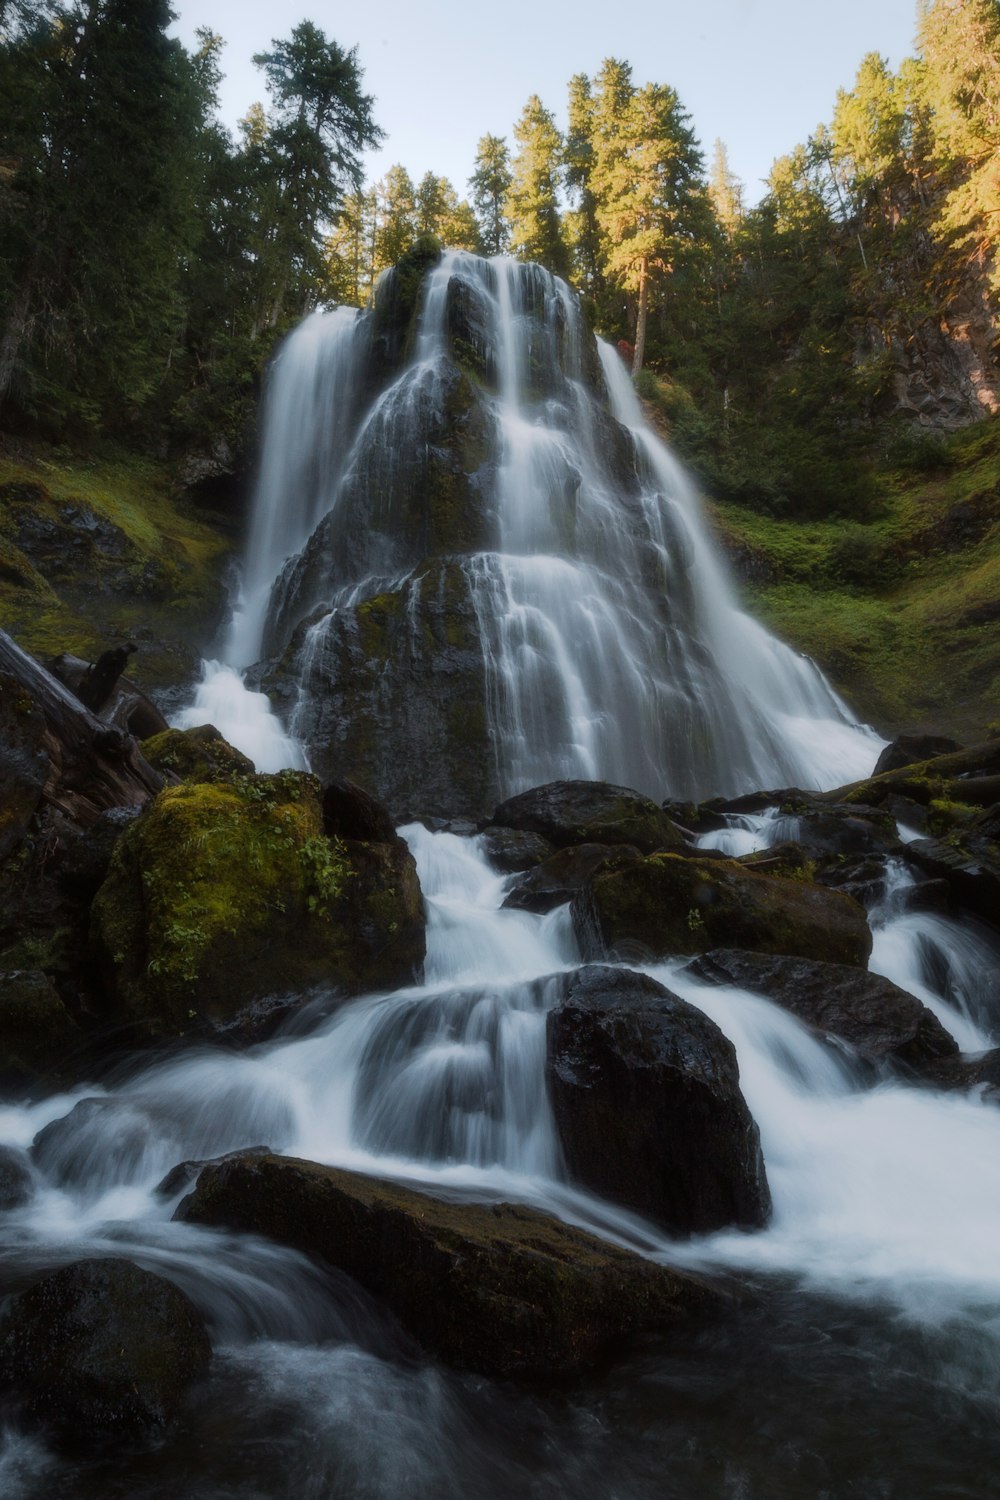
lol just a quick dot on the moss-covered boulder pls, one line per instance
(511, 852)
(669, 904)
(102, 1347)
(497, 1288)
(557, 879)
(199, 754)
(589, 812)
(646, 1096)
(225, 892)
(38, 1037)
(880, 1021)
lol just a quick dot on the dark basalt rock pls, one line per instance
(668, 904)
(351, 813)
(558, 878)
(102, 1141)
(878, 1019)
(589, 812)
(964, 1073)
(908, 749)
(969, 864)
(418, 733)
(510, 851)
(185, 1174)
(16, 1179)
(102, 1347)
(497, 1288)
(37, 1034)
(24, 763)
(645, 1092)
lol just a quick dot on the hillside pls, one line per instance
(902, 611)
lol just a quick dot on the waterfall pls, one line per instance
(486, 520)
(580, 625)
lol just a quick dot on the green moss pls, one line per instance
(162, 586)
(199, 754)
(898, 611)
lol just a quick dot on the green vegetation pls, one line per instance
(902, 610)
(99, 548)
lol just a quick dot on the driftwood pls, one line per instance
(93, 765)
(113, 698)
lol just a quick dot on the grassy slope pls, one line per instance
(895, 610)
(98, 549)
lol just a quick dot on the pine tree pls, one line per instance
(490, 183)
(321, 121)
(652, 205)
(582, 228)
(532, 204)
(725, 190)
(396, 226)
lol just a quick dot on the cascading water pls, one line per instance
(519, 535)
(869, 1362)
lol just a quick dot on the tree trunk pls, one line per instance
(13, 334)
(640, 322)
(92, 765)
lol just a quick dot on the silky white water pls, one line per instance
(611, 642)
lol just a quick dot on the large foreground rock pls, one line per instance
(589, 812)
(878, 1019)
(497, 1288)
(102, 1347)
(668, 904)
(645, 1091)
(223, 893)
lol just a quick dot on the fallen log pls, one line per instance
(92, 765)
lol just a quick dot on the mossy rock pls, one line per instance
(568, 813)
(492, 1287)
(199, 754)
(668, 904)
(223, 893)
(37, 1034)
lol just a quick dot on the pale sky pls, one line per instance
(759, 74)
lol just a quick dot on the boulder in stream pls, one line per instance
(102, 1347)
(646, 1096)
(498, 1288)
(589, 812)
(668, 904)
(223, 893)
(880, 1021)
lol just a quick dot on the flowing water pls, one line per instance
(863, 1358)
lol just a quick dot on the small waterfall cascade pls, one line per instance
(460, 505)
(884, 1196)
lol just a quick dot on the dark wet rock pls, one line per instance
(558, 878)
(102, 1347)
(419, 734)
(24, 762)
(966, 1072)
(497, 1288)
(225, 893)
(928, 895)
(668, 904)
(511, 851)
(199, 754)
(16, 1179)
(908, 749)
(645, 1092)
(863, 877)
(970, 867)
(87, 860)
(102, 1141)
(185, 1174)
(589, 812)
(875, 1017)
(697, 817)
(349, 812)
(38, 1037)
(793, 861)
